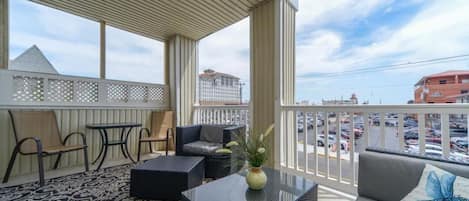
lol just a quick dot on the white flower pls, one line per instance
(223, 151)
(261, 150)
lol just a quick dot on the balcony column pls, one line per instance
(4, 34)
(181, 67)
(272, 68)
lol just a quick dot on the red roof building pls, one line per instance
(442, 87)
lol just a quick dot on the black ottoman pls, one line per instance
(165, 177)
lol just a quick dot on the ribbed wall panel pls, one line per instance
(160, 19)
(3, 34)
(268, 50)
(183, 65)
(71, 120)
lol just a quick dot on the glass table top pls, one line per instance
(280, 186)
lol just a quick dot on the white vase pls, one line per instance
(256, 178)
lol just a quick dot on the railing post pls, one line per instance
(421, 127)
(445, 135)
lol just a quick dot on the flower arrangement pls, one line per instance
(253, 150)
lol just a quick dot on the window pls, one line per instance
(131, 57)
(464, 91)
(436, 94)
(442, 81)
(46, 40)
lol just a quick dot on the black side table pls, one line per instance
(122, 142)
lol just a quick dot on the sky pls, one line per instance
(71, 44)
(336, 38)
(342, 46)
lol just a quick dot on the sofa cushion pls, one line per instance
(437, 184)
(201, 148)
(212, 133)
(398, 173)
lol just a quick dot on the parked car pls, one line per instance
(331, 141)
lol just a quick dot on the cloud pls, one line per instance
(440, 29)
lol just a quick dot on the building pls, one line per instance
(442, 87)
(352, 101)
(32, 60)
(217, 88)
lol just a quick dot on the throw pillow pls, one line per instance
(436, 184)
(212, 133)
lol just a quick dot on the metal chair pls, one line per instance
(37, 133)
(161, 126)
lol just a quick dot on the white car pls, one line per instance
(331, 141)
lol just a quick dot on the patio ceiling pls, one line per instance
(160, 19)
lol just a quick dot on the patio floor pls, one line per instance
(324, 193)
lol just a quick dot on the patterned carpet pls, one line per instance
(106, 184)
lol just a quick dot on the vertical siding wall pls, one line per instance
(71, 120)
(262, 68)
(183, 67)
(3, 33)
(272, 44)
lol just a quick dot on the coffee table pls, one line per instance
(280, 186)
(165, 177)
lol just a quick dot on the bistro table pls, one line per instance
(106, 142)
(281, 186)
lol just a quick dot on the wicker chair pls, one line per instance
(162, 130)
(37, 133)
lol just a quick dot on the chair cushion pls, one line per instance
(212, 133)
(201, 147)
(438, 184)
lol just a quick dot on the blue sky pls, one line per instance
(339, 35)
(333, 37)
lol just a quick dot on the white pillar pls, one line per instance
(4, 29)
(181, 55)
(272, 68)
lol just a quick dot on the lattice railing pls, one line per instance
(38, 89)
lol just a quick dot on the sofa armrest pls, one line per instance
(229, 133)
(185, 135)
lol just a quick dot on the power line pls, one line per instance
(399, 65)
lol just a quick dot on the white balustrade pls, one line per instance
(325, 141)
(224, 114)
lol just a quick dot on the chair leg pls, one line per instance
(167, 145)
(10, 165)
(151, 150)
(40, 163)
(85, 157)
(57, 161)
(139, 149)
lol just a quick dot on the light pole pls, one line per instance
(241, 84)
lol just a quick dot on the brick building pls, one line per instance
(442, 87)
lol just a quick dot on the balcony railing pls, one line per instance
(21, 89)
(331, 158)
(224, 114)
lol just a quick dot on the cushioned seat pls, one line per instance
(64, 148)
(201, 147)
(151, 139)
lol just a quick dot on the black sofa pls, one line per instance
(204, 140)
